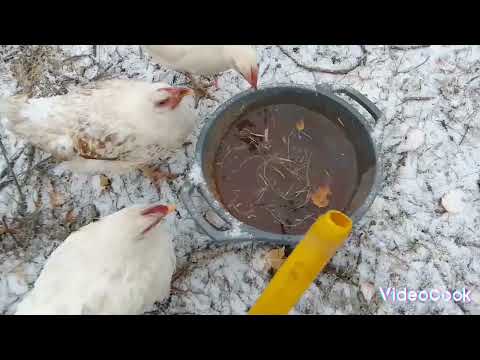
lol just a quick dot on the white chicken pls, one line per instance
(207, 60)
(110, 126)
(121, 264)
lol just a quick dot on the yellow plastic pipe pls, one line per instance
(307, 260)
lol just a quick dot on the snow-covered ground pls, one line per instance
(420, 232)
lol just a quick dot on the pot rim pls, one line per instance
(254, 232)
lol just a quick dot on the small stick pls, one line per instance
(413, 67)
(467, 128)
(306, 134)
(405, 48)
(288, 145)
(23, 202)
(307, 199)
(229, 151)
(308, 169)
(255, 134)
(278, 171)
(247, 160)
(289, 189)
(287, 160)
(301, 221)
(344, 71)
(417, 98)
(260, 197)
(12, 160)
(469, 81)
(274, 216)
(10, 232)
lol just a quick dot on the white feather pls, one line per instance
(107, 267)
(204, 59)
(115, 121)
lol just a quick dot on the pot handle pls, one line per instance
(363, 101)
(373, 110)
(245, 233)
(186, 197)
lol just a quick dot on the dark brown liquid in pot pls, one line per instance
(267, 168)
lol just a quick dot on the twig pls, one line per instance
(417, 98)
(30, 155)
(23, 202)
(474, 78)
(365, 52)
(247, 160)
(77, 57)
(413, 67)
(260, 197)
(344, 71)
(265, 70)
(405, 48)
(35, 167)
(288, 145)
(301, 221)
(278, 171)
(467, 128)
(10, 232)
(12, 160)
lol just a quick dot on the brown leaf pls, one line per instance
(105, 182)
(56, 199)
(275, 258)
(321, 197)
(300, 125)
(4, 230)
(158, 176)
(70, 217)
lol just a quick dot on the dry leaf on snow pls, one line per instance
(275, 258)
(105, 182)
(70, 217)
(56, 199)
(321, 197)
(4, 230)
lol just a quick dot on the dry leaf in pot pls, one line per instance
(321, 197)
(300, 125)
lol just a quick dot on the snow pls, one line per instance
(453, 201)
(429, 138)
(196, 175)
(414, 139)
(38, 111)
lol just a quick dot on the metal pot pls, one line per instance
(323, 99)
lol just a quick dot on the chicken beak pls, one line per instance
(171, 209)
(177, 94)
(185, 92)
(254, 78)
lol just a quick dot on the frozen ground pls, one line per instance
(430, 97)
